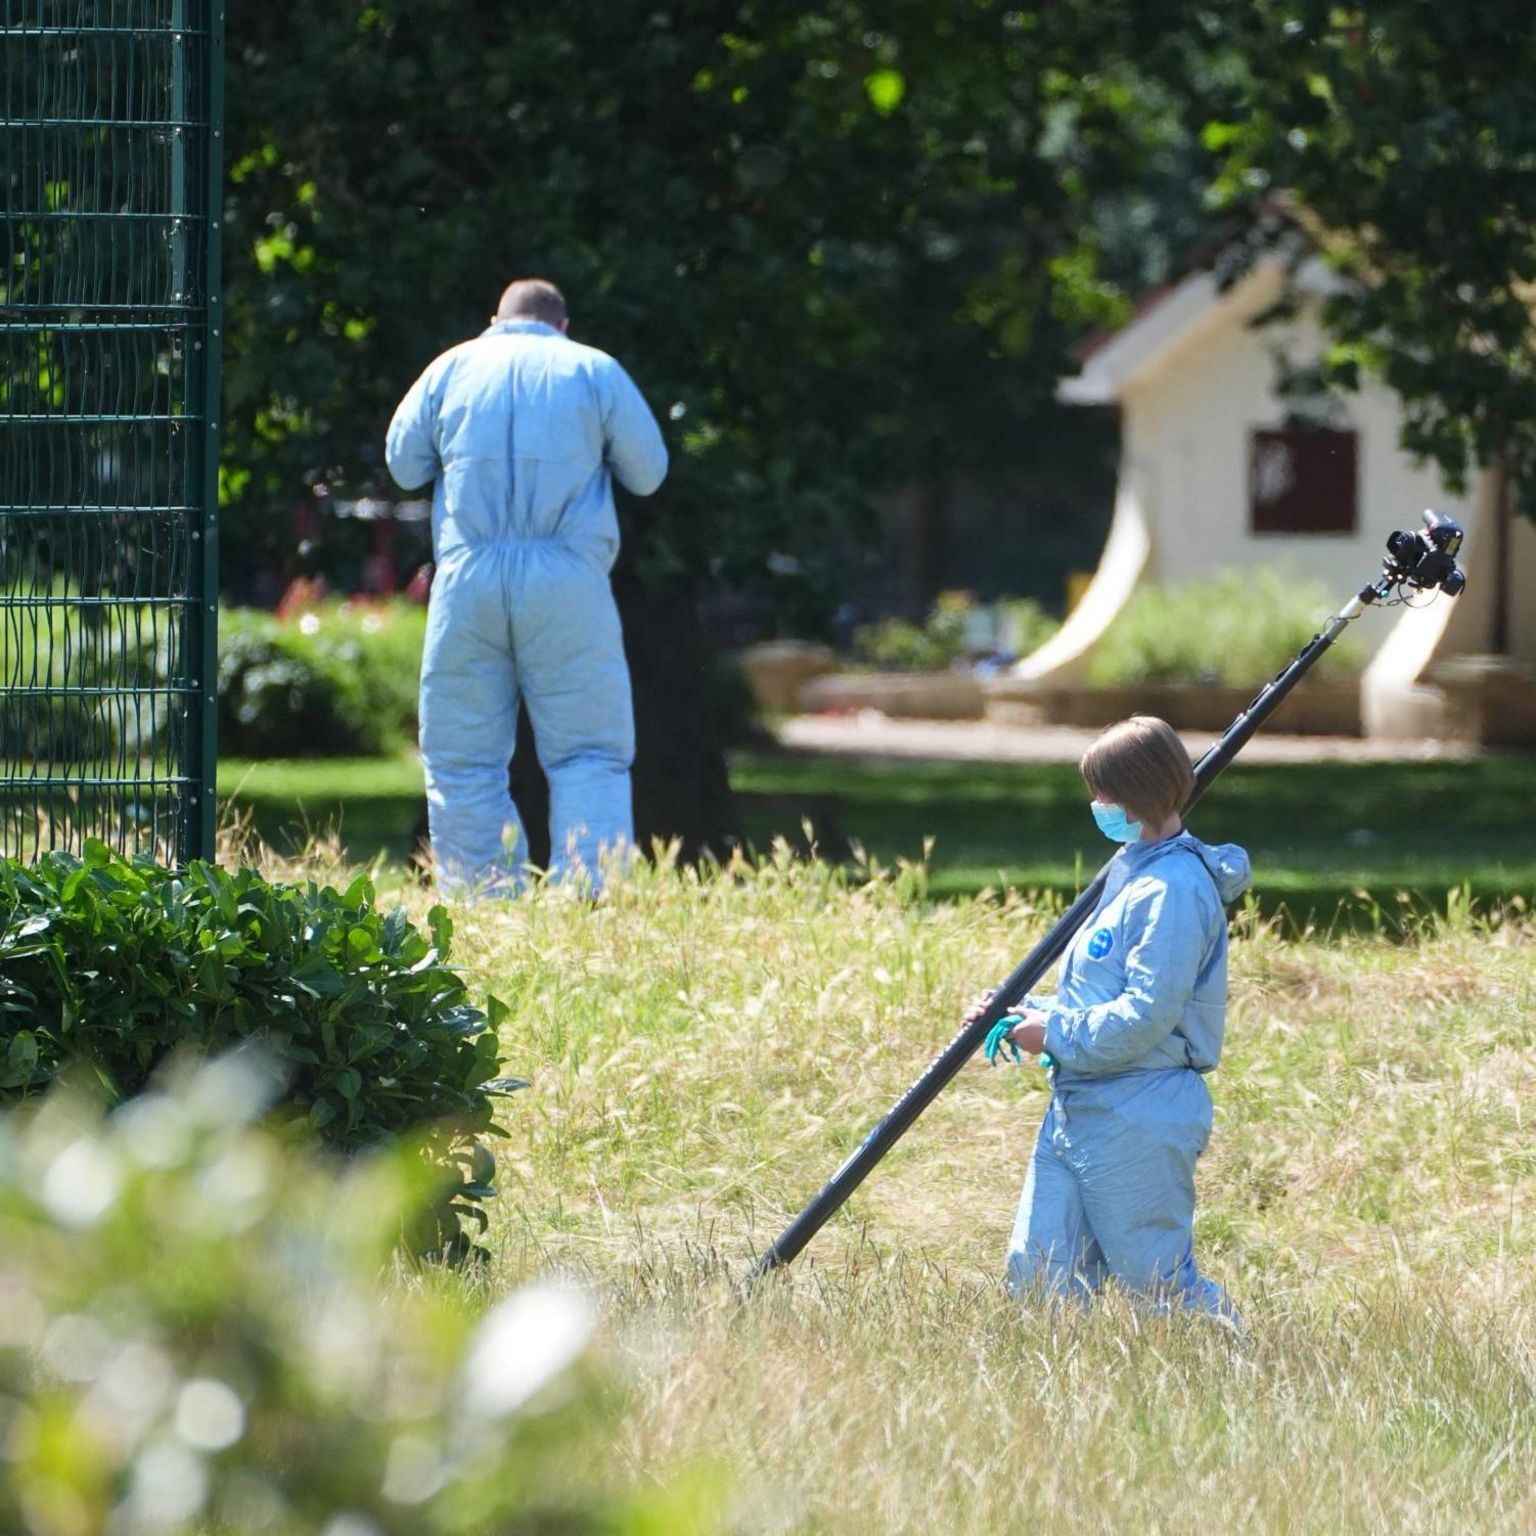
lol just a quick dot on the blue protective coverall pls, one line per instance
(1136, 1021)
(523, 431)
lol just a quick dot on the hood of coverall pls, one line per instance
(1228, 864)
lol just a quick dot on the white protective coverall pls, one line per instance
(523, 431)
(1137, 1020)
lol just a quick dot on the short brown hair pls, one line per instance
(1140, 764)
(532, 298)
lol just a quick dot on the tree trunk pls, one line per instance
(1503, 531)
(680, 783)
(929, 546)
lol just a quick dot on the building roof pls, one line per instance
(1232, 279)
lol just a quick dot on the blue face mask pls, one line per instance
(1114, 823)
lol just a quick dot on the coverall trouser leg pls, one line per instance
(535, 622)
(1113, 1184)
(1052, 1247)
(569, 648)
(469, 700)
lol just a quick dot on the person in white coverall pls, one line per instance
(523, 432)
(1134, 1026)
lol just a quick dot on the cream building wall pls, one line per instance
(1188, 421)
(1194, 377)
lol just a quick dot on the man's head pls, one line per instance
(532, 298)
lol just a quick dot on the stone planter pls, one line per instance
(1318, 707)
(777, 671)
(901, 695)
(1489, 700)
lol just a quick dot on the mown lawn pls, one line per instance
(1320, 833)
(1317, 831)
(375, 806)
(704, 1051)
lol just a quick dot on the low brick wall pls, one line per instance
(1489, 700)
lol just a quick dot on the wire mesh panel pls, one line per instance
(110, 127)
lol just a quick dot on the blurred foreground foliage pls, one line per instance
(109, 968)
(195, 1338)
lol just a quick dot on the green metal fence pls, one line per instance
(111, 117)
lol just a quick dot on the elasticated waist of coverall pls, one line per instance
(518, 540)
(1065, 1086)
(583, 549)
(1138, 1071)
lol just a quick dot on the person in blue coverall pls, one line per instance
(1134, 1026)
(523, 432)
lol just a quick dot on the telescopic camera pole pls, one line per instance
(1416, 562)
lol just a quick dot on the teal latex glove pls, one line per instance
(997, 1038)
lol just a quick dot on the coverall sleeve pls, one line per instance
(410, 446)
(1162, 963)
(632, 442)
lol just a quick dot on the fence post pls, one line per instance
(201, 811)
(111, 113)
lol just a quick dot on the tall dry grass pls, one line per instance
(706, 1048)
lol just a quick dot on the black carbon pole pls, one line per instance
(1040, 959)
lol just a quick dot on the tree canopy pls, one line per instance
(1406, 132)
(840, 247)
(848, 246)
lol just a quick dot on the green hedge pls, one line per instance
(1235, 629)
(113, 968)
(340, 681)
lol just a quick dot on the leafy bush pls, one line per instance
(1236, 628)
(113, 967)
(339, 681)
(195, 1338)
(897, 645)
(1018, 625)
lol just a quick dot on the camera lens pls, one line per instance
(1404, 547)
(1443, 532)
